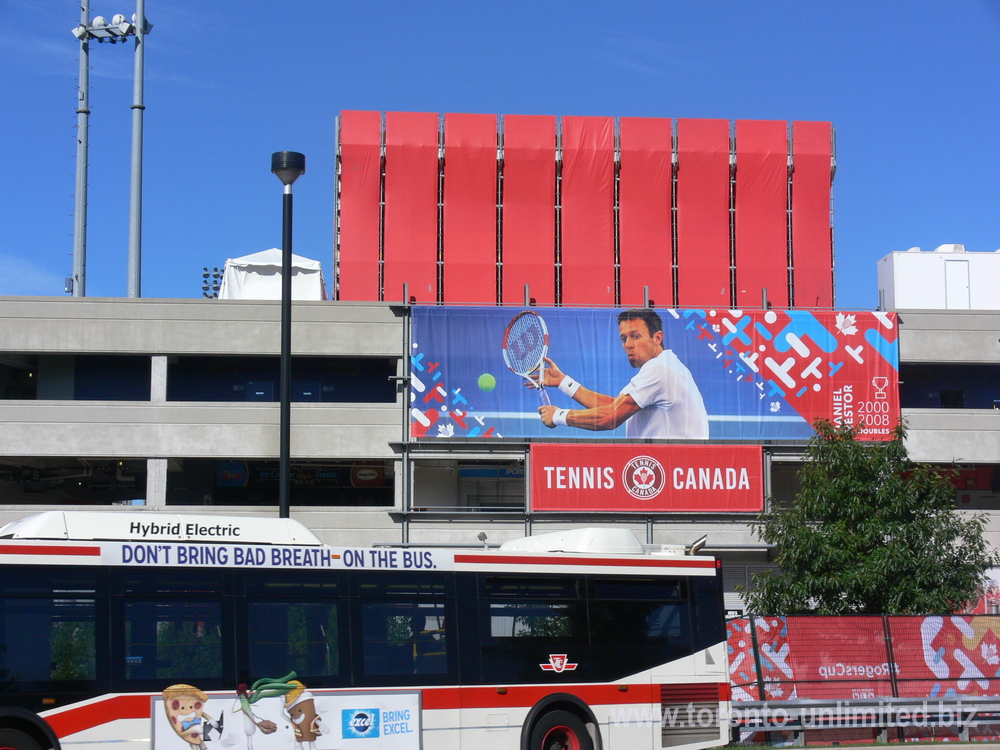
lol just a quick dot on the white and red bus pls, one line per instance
(139, 628)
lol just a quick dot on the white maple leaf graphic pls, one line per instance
(989, 651)
(845, 324)
(446, 430)
(775, 406)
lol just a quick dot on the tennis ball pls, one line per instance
(487, 382)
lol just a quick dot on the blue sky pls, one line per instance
(912, 89)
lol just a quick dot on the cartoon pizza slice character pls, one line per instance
(185, 708)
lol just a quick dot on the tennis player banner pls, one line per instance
(608, 375)
(678, 478)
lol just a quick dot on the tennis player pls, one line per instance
(661, 401)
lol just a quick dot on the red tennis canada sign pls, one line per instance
(692, 478)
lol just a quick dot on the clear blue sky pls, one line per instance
(912, 89)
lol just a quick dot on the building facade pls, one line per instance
(171, 405)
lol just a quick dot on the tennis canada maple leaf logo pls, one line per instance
(643, 477)
(845, 324)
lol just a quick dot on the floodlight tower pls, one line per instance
(118, 30)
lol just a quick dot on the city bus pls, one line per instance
(195, 632)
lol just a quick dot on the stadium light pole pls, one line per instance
(288, 166)
(118, 30)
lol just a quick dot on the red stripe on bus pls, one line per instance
(638, 563)
(57, 551)
(525, 696)
(90, 715)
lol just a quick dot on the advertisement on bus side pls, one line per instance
(249, 556)
(186, 718)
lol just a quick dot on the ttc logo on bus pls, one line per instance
(558, 663)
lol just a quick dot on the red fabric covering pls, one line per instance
(761, 212)
(588, 190)
(812, 241)
(470, 209)
(644, 211)
(529, 200)
(703, 213)
(411, 196)
(360, 185)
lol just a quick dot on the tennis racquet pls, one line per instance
(525, 344)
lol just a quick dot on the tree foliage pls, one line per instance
(869, 533)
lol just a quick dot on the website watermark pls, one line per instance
(839, 715)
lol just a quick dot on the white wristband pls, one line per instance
(568, 386)
(559, 416)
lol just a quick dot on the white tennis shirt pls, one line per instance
(671, 404)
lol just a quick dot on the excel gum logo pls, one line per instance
(644, 477)
(360, 723)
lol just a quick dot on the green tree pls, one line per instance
(869, 533)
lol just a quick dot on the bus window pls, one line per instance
(300, 636)
(174, 582)
(534, 620)
(404, 639)
(639, 611)
(46, 640)
(172, 640)
(47, 626)
(706, 595)
(524, 620)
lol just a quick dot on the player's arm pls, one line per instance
(553, 377)
(606, 417)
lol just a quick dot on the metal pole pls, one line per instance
(284, 457)
(82, 123)
(135, 191)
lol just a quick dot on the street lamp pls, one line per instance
(118, 30)
(288, 166)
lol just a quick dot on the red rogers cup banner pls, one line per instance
(694, 478)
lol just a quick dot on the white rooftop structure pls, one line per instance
(946, 278)
(258, 276)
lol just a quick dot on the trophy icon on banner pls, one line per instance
(880, 384)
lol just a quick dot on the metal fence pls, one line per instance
(921, 668)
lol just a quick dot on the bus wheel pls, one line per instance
(560, 730)
(15, 739)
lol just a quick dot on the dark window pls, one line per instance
(327, 379)
(638, 612)
(406, 624)
(36, 480)
(286, 636)
(538, 588)
(112, 378)
(284, 584)
(45, 580)
(173, 640)
(47, 640)
(195, 481)
(404, 638)
(49, 619)
(949, 386)
(707, 611)
(178, 581)
(524, 621)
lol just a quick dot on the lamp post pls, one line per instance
(288, 166)
(118, 30)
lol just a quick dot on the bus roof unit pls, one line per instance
(146, 526)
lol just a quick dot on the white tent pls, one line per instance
(258, 276)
